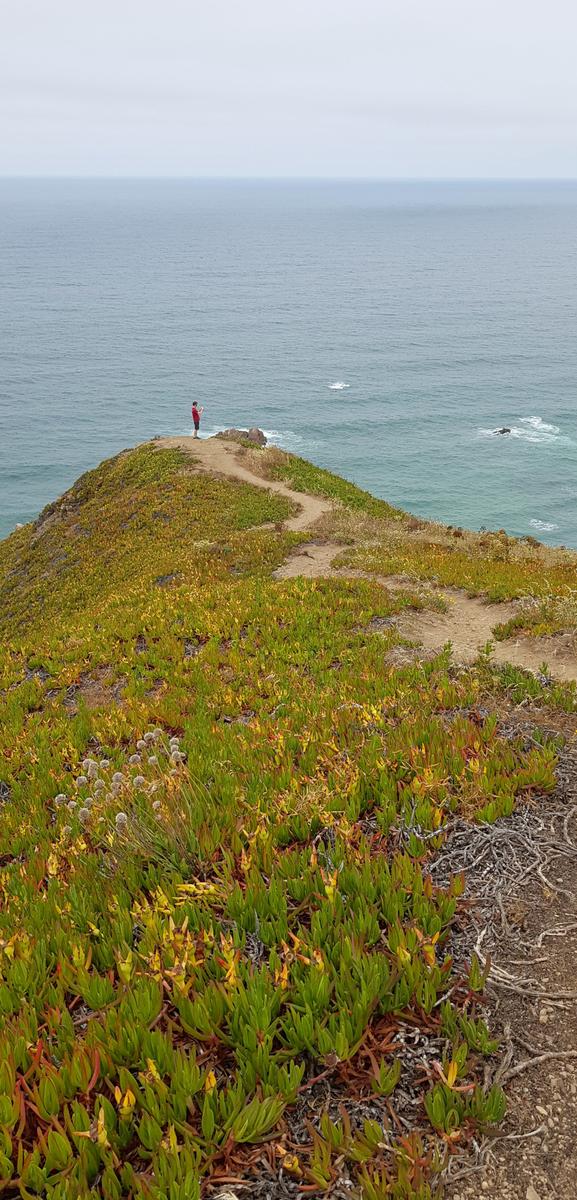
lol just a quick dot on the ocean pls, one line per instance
(383, 330)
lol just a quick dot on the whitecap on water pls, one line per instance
(339, 386)
(534, 429)
(530, 429)
(287, 439)
(543, 526)
(539, 424)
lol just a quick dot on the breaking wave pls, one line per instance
(543, 526)
(530, 429)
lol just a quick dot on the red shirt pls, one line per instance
(196, 416)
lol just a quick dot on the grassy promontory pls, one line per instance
(221, 795)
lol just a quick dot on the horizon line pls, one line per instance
(437, 179)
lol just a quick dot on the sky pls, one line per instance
(277, 88)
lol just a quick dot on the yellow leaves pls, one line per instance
(200, 887)
(155, 964)
(153, 1069)
(9, 948)
(161, 902)
(428, 945)
(52, 865)
(452, 1070)
(297, 953)
(81, 957)
(170, 1141)
(230, 959)
(209, 1082)
(281, 976)
(125, 1103)
(101, 1134)
(289, 1161)
(97, 1132)
(318, 959)
(125, 967)
(330, 882)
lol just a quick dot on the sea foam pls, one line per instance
(530, 429)
(543, 526)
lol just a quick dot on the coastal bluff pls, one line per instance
(287, 849)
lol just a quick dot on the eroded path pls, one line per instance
(532, 998)
(467, 624)
(217, 456)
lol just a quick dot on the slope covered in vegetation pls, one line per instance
(220, 800)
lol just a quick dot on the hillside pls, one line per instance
(245, 790)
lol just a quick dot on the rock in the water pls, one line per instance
(503, 430)
(245, 435)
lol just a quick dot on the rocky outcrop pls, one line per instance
(244, 435)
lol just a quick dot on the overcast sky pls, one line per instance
(393, 88)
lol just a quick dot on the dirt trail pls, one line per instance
(468, 623)
(534, 1158)
(216, 455)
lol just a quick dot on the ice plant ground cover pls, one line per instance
(220, 802)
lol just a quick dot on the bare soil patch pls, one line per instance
(467, 623)
(311, 561)
(97, 690)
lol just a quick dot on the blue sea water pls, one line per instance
(382, 330)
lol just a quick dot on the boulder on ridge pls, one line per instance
(245, 435)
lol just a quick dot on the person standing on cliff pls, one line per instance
(196, 415)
